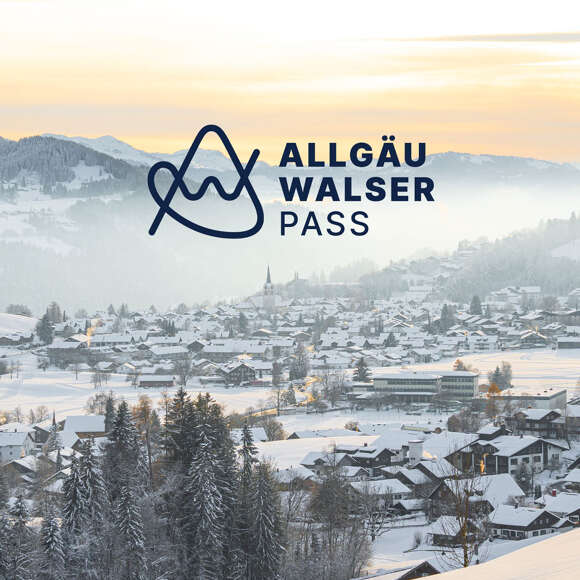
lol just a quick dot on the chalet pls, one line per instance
(547, 423)
(85, 426)
(507, 453)
(489, 491)
(295, 478)
(14, 445)
(446, 531)
(236, 373)
(563, 505)
(320, 461)
(517, 523)
(573, 480)
(389, 489)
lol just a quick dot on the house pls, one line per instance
(446, 531)
(573, 480)
(236, 373)
(508, 453)
(258, 434)
(547, 423)
(488, 492)
(517, 523)
(85, 426)
(295, 478)
(409, 571)
(563, 505)
(389, 489)
(15, 444)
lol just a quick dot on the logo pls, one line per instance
(164, 203)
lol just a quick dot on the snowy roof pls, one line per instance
(306, 434)
(291, 473)
(562, 503)
(85, 423)
(496, 489)
(258, 434)
(573, 476)
(509, 515)
(380, 486)
(13, 438)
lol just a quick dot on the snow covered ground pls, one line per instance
(555, 558)
(533, 370)
(13, 323)
(61, 391)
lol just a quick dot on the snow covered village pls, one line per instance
(302, 432)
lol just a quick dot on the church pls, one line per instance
(267, 300)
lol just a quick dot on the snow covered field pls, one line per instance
(533, 370)
(61, 391)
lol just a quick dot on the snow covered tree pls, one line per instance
(53, 442)
(475, 306)
(44, 329)
(265, 532)
(129, 525)
(300, 366)
(4, 491)
(52, 546)
(95, 491)
(361, 373)
(123, 459)
(109, 412)
(74, 512)
(205, 515)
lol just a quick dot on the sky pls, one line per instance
(494, 77)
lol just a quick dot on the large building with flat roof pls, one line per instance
(410, 387)
(421, 387)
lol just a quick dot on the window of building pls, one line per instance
(537, 459)
(525, 459)
(514, 461)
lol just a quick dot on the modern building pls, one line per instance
(459, 385)
(409, 387)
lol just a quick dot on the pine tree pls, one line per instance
(205, 515)
(4, 491)
(109, 412)
(44, 329)
(53, 442)
(52, 559)
(129, 524)
(475, 306)
(361, 373)
(95, 490)
(124, 459)
(266, 534)
(74, 501)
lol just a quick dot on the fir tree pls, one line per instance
(361, 373)
(475, 306)
(4, 491)
(205, 514)
(74, 501)
(95, 490)
(52, 558)
(266, 534)
(109, 412)
(129, 524)
(44, 329)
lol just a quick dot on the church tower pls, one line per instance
(269, 300)
(268, 286)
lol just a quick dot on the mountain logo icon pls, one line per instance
(164, 203)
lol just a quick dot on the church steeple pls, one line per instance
(268, 286)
